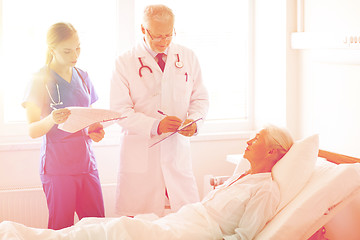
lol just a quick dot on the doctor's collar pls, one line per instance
(152, 52)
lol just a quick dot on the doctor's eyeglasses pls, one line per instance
(158, 39)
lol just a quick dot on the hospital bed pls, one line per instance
(312, 191)
(314, 184)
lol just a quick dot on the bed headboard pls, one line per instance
(337, 158)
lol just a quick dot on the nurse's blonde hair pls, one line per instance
(57, 33)
(279, 138)
(158, 12)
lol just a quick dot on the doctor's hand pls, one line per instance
(60, 115)
(169, 124)
(96, 132)
(190, 130)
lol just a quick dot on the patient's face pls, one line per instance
(257, 148)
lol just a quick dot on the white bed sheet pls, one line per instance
(191, 223)
(329, 185)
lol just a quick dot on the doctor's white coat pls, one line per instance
(145, 172)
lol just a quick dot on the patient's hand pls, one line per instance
(218, 180)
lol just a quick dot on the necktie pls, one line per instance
(161, 61)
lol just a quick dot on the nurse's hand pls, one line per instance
(169, 124)
(96, 132)
(190, 130)
(60, 115)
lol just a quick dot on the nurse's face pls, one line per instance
(158, 34)
(66, 53)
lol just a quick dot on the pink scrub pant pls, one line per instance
(68, 194)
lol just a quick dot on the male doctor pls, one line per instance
(158, 86)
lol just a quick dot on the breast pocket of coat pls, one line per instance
(133, 154)
(183, 87)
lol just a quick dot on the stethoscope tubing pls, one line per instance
(178, 64)
(59, 102)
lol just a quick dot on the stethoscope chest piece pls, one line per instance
(179, 64)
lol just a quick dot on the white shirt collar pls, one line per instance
(152, 52)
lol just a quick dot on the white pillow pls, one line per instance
(328, 190)
(293, 171)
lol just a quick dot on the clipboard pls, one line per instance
(107, 122)
(179, 129)
(83, 117)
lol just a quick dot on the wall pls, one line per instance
(329, 93)
(330, 78)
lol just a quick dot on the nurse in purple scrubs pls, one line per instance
(68, 169)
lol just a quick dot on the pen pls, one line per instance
(162, 113)
(188, 124)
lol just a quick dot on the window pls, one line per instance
(23, 47)
(219, 35)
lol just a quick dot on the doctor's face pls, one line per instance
(158, 34)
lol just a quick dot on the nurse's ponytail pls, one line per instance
(57, 33)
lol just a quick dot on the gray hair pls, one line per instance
(279, 138)
(158, 12)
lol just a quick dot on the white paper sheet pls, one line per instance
(82, 117)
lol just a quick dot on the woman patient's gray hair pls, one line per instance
(280, 138)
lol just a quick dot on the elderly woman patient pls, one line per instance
(238, 209)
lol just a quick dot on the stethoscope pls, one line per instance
(54, 104)
(178, 64)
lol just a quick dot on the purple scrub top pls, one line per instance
(63, 153)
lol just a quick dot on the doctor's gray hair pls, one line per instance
(279, 138)
(57, 33)
(158, 12)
